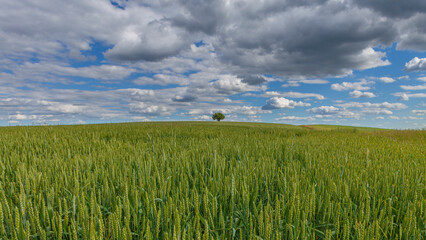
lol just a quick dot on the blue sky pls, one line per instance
(360, 63)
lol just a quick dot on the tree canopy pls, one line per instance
(218, 116)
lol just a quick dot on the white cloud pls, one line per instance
(359, 94)
(332, 112)
(288, 94)
(419, 112)
(19, 116)
(156, 40)
(412, 118)
(415, 87)
(230, 109)
(394, 117)
(303, 95)
(229, 84)
(395, 106)
(161, 79)
(294, 118)
(345, 86)
(247, 110)
(387, 79)
(416, 64)
(404, 97)
(203, 117)
(377, 111)
(406, 77)
(280, 102)
(407, 96)
(39, 71)
(296, 83)
(148, 109)
(291, 84)
(64, 107)
(314, 81)
(365, 108)
(140, 118)
(422, 79)
(324, 110)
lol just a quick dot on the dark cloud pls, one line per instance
(323, 40)
(186, 98)
(288, 38)
(253, 79)
(394, 8)
(413, 33)
(199, 15)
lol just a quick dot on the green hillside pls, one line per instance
(340, 127)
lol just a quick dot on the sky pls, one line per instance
(345, 62)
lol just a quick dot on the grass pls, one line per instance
(340, 127)
(193, 180)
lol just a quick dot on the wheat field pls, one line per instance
(189, 180)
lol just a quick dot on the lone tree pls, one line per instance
(218, 116)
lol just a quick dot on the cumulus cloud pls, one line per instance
(185, 98)
(324, 110)
(404, 97)
(396, 106)
(412, 118)
(314, 81)
(238, 110)
(407, 96)
(356, 109)
(52, 72)
(162, 80)
(20, 116)
(359, 94)
(419, 112)
(374, 111)
(296, 83)
(287, 94)
(416, 64)
(422, 79)
(202, 117)
(387, 79)
(365, 108)
(63, 107)
(332, 112)
(294, 118)
(302, 95)
(229, 84)
(414, 87)
(149, 109)
(345, 86)
(158, 40)
(280, 102)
